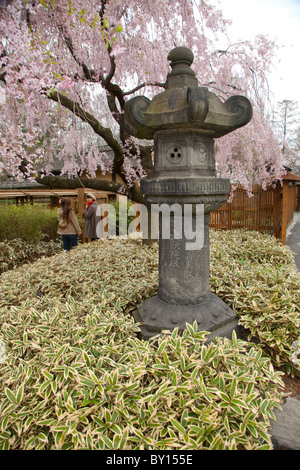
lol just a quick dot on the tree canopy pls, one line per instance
(70, 65)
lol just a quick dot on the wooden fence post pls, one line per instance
(285, 198)
(277, 211)
(298, 198)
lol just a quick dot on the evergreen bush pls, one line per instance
(30, 223)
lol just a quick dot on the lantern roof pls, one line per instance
(184, 104)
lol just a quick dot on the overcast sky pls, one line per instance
(280, 20)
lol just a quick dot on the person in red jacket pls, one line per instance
(92, 217)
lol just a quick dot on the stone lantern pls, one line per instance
(183, 121)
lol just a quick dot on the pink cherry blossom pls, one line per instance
(118, 50)
(70, 66)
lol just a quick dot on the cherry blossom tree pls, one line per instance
(70, 65)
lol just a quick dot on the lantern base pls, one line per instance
(212, 315)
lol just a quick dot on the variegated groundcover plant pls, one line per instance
(17, 252)
(75, 376)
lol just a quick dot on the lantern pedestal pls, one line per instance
(212, 315)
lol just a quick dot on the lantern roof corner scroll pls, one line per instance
(184, 104)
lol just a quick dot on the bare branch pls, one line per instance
(229, 86)
(222, 52)
(142, 85)
(112, 70)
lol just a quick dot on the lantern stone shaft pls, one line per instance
(183, 121)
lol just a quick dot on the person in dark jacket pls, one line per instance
(92, 217)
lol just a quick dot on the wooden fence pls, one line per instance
(268, 211)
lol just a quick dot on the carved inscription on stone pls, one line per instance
(202, 154)
(175, 256)
(181, 273)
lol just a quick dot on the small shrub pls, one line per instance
(29, 223)
(120, 219)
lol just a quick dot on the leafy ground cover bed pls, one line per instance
(17, 252)
(75, 376)
(256, 276)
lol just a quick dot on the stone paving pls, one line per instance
(293, 238)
